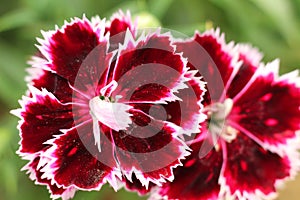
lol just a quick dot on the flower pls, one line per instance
(249, 145)
(93, 110)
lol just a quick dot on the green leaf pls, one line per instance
(133, 6)
(159, 8)
(9, 174)
(282, 13)
(188, 29)
(12, 72)
(8, 91)
(4, 139)
(16, 18)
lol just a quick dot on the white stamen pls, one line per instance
(96, 132)
(109, 88)
(228, 103)
(218, 127)
(229, 134)
(113, 115)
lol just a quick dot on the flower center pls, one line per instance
(217, 127)
(107, 111)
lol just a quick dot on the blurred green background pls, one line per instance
(271, 25)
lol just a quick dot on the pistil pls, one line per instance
(105, 110)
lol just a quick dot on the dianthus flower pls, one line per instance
(249, 144)
(92, 111)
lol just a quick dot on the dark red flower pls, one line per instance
(93, 112)
(249, 144)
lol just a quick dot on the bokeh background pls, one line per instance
(271, 25)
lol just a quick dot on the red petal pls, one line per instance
(56, 192)
(251, 60)
(119, 23)
(60, 88)
(117, 27)
(269, 107)
(92, 75)
(42, 117)
(76, 161)
(252, 171)
(142, 66)
(54, 84)
(136, 186)
(149, 149)
(186, 112)
(213, 58)
(66, 48)
(197, 179)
